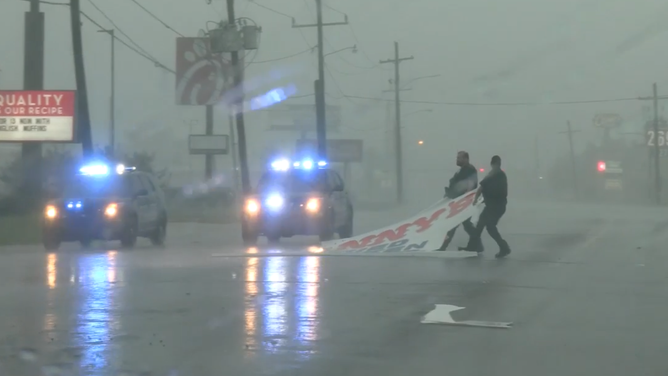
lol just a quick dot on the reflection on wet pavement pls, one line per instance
(283, 318)
(91, 316)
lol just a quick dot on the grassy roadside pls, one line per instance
(26, 229)
(20, 230)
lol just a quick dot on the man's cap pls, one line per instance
(496, 159)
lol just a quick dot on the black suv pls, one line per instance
(101, 205)
(298, 201)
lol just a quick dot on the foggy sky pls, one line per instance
(484, 50)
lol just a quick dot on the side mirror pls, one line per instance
(141, 192)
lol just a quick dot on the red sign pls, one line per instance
(201, 78)
(420, 225)
(46, 115)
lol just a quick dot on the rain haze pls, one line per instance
(561, 90)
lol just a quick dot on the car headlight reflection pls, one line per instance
(275, 201)
(111, 210)
(313, 205)
(252, 207)
(50, 212)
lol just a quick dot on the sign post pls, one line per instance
(208, 144)
(37, 116)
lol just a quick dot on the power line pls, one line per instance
(284, 57)
(158, 19)
(121, 41)
(120, 30)
(357, 41)
(500, 103)
(152, 60)
(270, 9)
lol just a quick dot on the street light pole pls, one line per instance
(112, 101)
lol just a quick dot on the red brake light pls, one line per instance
(482, 170)
(600, 166)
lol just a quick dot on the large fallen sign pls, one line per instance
(423, 232)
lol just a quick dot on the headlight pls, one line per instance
(111, 210)
(313, 205)
(252, 207)
(50, 212)
(275, 201)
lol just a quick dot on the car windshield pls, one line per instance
(292, 181)
(95, 186)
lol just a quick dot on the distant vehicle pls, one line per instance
(298, 198)
(101, 204)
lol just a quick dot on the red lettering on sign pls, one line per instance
(422, 224)
(458, 206)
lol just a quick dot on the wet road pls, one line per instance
(586, 294)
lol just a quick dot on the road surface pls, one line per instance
(586, 291)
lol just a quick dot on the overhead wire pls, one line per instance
(270, 9)
(157, 18)
(478, 104)
(330, 45)
(121, 30)
(284, 57)
(375, 64)
(138, 52)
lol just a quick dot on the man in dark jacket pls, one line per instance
(465, 180)
(494, 190)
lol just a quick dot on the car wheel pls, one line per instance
(248, 235)
(273, 237)
(129, 236)
(327, 229)
(159, 235)
(85, 243)
(51, 242)
(346, 231)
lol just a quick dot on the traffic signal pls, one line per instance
(600, 166)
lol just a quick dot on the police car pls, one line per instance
(101, 203)
(298, 198)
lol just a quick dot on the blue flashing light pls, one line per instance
(74, 205)
(275, 201)
(94, 170)
(307, 164)
(280, 165)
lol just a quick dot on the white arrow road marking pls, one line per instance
(441, 315)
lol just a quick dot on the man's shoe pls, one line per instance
(502, 253)
(467, 249)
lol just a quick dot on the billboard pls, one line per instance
(42, 116)
(338, 150)
(199, 144)
(302, 118)
(201, 78)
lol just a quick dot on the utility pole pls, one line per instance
(83, 114)
(233, 150)
(570, 132)
(397, 120)
(33, 79)
(112, 101)
(319, 84)
(657, 155)
(208, 130)
(239, 109)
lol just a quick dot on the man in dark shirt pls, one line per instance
(465, 180)
(494, 190)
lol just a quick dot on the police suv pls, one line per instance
(298, 198)
(102, 204)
